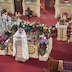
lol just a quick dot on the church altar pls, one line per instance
(61, 31)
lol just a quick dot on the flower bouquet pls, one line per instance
(28, 28)
(45, 29)
(3, 37)
(43, 43)
(43, 47)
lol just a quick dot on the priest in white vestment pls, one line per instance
(20, 45)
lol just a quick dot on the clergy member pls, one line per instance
(20, 45)
(6, 19)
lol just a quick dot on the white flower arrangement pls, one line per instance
(43, 25)
(41, 36)
(40, 25)
(24, 23)
(14, 23)
(30, 24)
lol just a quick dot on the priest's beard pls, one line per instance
(20, 32)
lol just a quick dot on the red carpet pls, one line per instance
(61, 50)
(8, 64)
(47, 17)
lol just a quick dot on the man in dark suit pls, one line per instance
(29, 13)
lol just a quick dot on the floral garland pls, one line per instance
(33, 26)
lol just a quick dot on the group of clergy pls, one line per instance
(5, 19)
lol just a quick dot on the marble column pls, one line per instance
(12, 7)
(23, 4)
(38, 8)
(59, 33)
(57, 2)
(64, 35)
(56, 8)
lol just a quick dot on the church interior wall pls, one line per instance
(61, 7)
(34, 6)
(8, 4)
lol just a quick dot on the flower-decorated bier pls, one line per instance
(37, 37)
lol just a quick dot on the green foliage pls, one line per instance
(2, 45)
(41, 51)
(8, 33)
(14, 27)
(40, 29)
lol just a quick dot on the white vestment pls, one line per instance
(24, 47)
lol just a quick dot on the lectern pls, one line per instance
(61, 31)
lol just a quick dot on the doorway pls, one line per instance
(42, 2)
(49, 4)
(18, 6)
